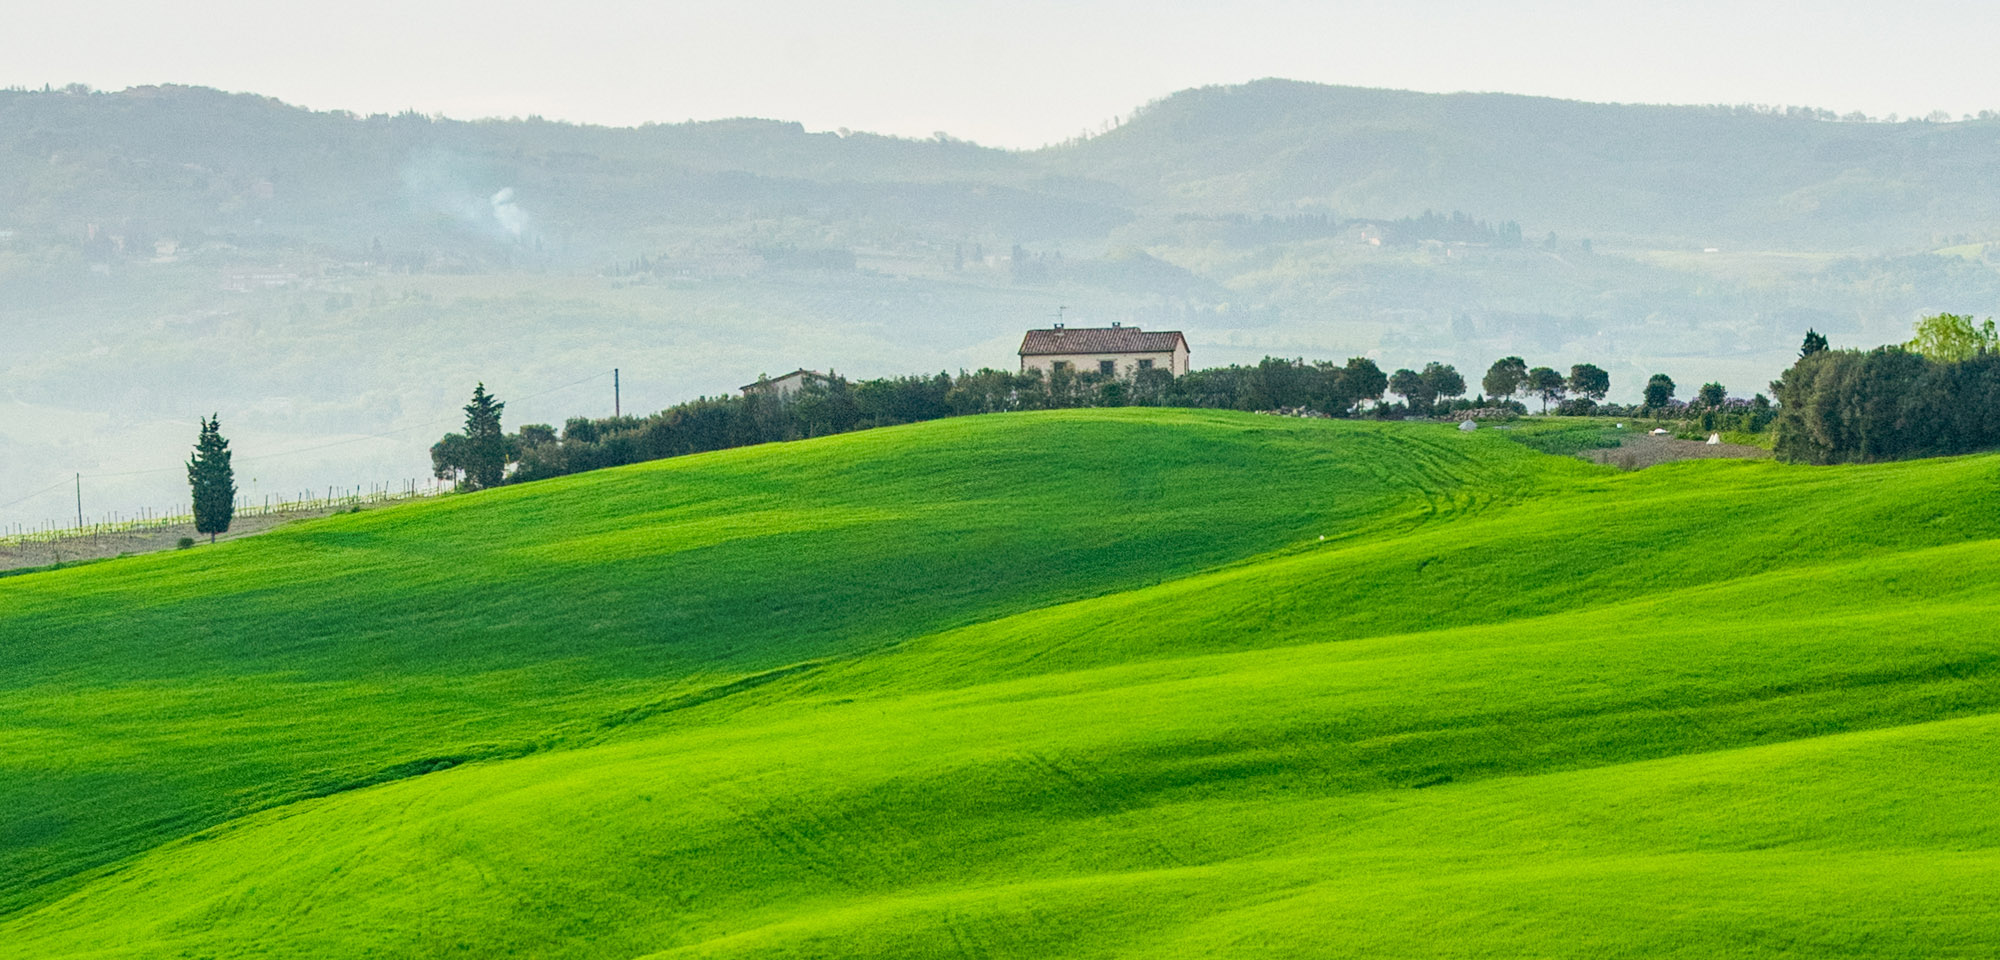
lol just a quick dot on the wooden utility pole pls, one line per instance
(615, 401)
(79, 500)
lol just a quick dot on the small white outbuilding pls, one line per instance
(1715, 439)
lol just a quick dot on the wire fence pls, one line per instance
(303, 503)
(146, 521)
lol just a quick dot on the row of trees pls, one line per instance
(1936, 394)
(1583, 390)
(1510, 375)
(1458, 226)
(484, 455)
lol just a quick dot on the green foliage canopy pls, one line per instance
(1442, 380)
(1504, 378)
(1890, 403)
(1416, 392)
(1364, 379)
(1659, 391)
(1951, 336)
(1589, 380)
(1547, 384)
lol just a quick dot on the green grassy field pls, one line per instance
(1082, 684)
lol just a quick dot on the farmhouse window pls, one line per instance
(1107, 367)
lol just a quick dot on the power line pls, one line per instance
(54, 486)
(324, 446)
(384, 436)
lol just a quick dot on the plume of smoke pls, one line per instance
(507, 213)
(452, 186)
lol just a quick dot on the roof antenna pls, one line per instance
(1059, 317)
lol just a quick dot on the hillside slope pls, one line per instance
(1697, 173)
(187, 161)
(176, 691)
(1078, 683)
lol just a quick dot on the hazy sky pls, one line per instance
(1018, 73)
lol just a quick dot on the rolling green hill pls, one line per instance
(1080, 684)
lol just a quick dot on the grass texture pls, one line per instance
(1082, 684)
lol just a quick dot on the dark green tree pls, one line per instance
(213, 481)
(536, 435)
(1504, 378)
(1711, 395)
(1587, 380)
(1276, 382)
(1547, 384)
(1815, 342)
(485, 443)
(579, 430)
(1659, 391)
(448, 457)
(1327, 389)
(1363, 380)
(1443, 380)
(1416, 394)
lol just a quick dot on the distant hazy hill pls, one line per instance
(1610, 169)
(190, 159)
(183, 161)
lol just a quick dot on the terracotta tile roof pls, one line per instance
(1099, 340)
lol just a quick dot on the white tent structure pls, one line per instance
(1715, 439)
(1467, 426)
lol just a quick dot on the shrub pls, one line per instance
(185, 543)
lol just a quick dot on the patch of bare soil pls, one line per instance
(1642, 450)
(70, 549)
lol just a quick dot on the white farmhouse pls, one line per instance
(787, 386)
(1116, 350)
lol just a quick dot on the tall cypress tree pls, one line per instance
(485, 444)
(213, 480)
